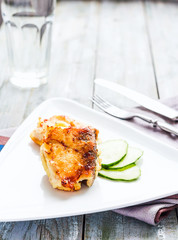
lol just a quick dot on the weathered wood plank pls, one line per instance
(3, 57)
(13, 104)
(106, 225)
(63, 228)
(162, 19)
(167, 229)
(162, 31)
(110, 225)
(123, 53)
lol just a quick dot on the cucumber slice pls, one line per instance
(133, 154)
(129, 174)
(112, 152)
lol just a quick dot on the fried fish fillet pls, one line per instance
(38, 134)
(68, 151)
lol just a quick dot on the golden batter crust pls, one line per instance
(68, 151)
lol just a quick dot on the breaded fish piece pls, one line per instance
(68, 151)
(55, 121)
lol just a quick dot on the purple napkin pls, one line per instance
(152, 212)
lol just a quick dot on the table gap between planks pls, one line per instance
(130, 42)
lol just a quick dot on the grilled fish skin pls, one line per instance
(68, 152)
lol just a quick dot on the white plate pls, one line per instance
(27, 195)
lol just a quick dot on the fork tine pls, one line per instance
(99, 101)
(95, 101)
(102, 101)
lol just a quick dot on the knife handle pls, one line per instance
(167, 127)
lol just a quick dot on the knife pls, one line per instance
(141, 99)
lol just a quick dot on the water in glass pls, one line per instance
(29, 40)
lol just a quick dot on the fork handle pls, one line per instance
(145, 118)
(162, 125)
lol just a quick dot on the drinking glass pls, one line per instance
(28, 25)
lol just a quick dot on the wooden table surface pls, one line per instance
(134, 43)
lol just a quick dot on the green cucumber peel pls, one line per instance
(133, 155)
(112, 152)
(119, 168)
(128, 175)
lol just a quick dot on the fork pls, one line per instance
(127, 115)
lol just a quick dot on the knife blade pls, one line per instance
(139, 98)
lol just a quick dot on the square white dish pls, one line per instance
(26, 193)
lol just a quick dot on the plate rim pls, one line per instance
(60, 99)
